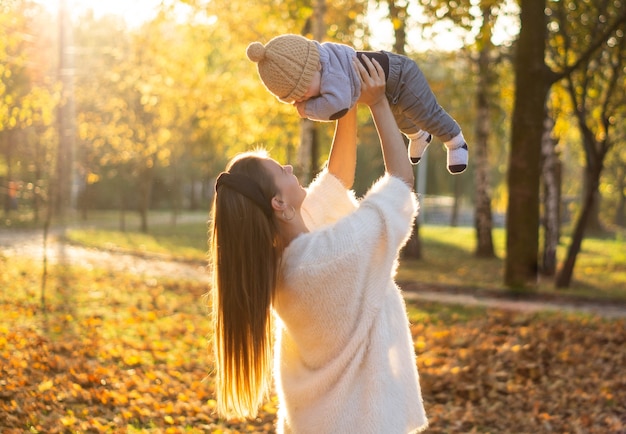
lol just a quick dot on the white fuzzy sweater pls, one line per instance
(345, 361)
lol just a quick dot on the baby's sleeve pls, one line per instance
(334, 101)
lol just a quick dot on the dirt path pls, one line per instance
(528, 305)
(30, 244)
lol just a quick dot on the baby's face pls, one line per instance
(314, 87)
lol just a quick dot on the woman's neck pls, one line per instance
(290, 230)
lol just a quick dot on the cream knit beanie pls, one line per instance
(286, 65)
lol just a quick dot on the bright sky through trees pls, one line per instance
(134, 11)
(443, 35)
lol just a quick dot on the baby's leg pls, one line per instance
(416, 108)
(418, 139)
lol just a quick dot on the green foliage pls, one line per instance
(598, 87)
(167, 103)
(28, 100)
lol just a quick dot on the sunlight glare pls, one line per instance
(443, 35)
(134, 12)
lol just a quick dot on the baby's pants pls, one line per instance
(413, 103)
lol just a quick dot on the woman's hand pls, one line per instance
(392, 143)
(300, 105)
(372, 81)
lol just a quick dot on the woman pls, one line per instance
(324, 263)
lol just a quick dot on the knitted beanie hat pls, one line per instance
(286, 65)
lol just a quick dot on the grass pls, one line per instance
(182, 242)
(448, 258)
(443, 314)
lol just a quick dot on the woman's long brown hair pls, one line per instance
(244, 259)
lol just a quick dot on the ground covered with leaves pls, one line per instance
(111, 352)
(505, 372)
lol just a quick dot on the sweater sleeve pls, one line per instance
(340, 274)
(327, 200)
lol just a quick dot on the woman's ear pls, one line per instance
(278, 204)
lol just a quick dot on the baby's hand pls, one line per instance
(300, 107)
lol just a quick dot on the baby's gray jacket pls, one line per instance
(340, 87)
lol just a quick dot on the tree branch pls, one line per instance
(556, 76)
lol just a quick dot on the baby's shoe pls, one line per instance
(458, 154)
(418, 144)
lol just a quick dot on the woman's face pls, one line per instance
(289, 189)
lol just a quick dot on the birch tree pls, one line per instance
(550, 172)
(478, 19)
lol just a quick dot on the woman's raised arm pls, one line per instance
(342, 157)
(392, 144)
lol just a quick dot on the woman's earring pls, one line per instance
(293, 211)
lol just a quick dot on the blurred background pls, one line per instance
(117, 115)
(135, 106)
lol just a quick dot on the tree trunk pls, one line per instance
(309, 146)
(37, 200)
(397, 14)
(66, 115)
(551, 198)
(594, 226)
(193, 193)
(8, 146)
(456, 202)
(620, 210)
(531, 89)
(145, 195)
(564, 276)
(177, 192)
(413, 247)
(123, 212)
(307, 138)
(483, 219)
(83, 201)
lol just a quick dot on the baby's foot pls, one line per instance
(457, 159)
(418, 144)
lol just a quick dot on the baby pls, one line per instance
(320, 80)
